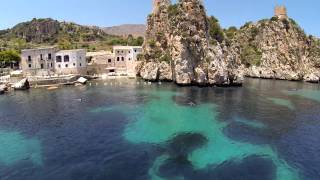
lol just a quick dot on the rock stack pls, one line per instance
(177, 48)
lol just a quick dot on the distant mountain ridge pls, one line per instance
(126, 29)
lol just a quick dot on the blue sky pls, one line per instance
(115, 12)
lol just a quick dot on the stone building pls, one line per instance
(281, 12)
(101, 62)
(38, 62)
(121, 61)
(71, 62)
(49, 61)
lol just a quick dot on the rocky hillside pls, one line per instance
(126, 29)
(49, 31)
(179, 47)
(278, 49)
(66, 35)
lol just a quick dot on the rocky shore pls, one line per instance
(283, 51)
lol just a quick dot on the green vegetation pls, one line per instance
(140, 57)
(152, 43)
(8, 57)
(274, 18)
(231, 32)
(166, 58)
(173, 10)
(49, 32)
(315, 50)
(215, 30)
(251, 56)
(246, 25)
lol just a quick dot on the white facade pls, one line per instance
(126, 58)
(50, 61)
(70, 61)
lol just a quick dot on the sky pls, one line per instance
(115, 12)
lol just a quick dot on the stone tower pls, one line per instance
(281, 12)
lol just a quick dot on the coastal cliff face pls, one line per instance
(178, 48)
(278, 49)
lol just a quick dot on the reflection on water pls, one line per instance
(14, 148)
(264, 130)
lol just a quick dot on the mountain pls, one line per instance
(66, 35)
(126, 29)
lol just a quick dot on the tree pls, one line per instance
(8, 57)
(130, 40)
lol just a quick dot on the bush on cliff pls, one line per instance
(251, 56)
(215, 30)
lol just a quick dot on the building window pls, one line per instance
(80, 64)
(129, 59)
(67, 65)
(121, 51)
(135, 50)
(109, 60)
(129, 52)
(118, 58)
(122, 58)
(58, 59)
(29, 58)
(74, 64)
(49, 56)
(30, 65)
(118, 52)
(41, 65)
(59, 66)
(51, 64)
(41, 57)
(66, 58)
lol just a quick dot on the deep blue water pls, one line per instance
(79, 133)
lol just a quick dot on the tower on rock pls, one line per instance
(281, 12)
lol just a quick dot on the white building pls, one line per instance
(71, 62)
(126, 58)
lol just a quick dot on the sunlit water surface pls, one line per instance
(114, 130)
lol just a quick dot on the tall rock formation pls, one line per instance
(278, 49)
(177, 47)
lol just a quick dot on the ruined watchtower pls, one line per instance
(281, 12)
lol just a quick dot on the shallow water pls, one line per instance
(264, 130)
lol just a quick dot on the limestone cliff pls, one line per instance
(178, 48)
(278, 49)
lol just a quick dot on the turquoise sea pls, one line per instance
(131, 130)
